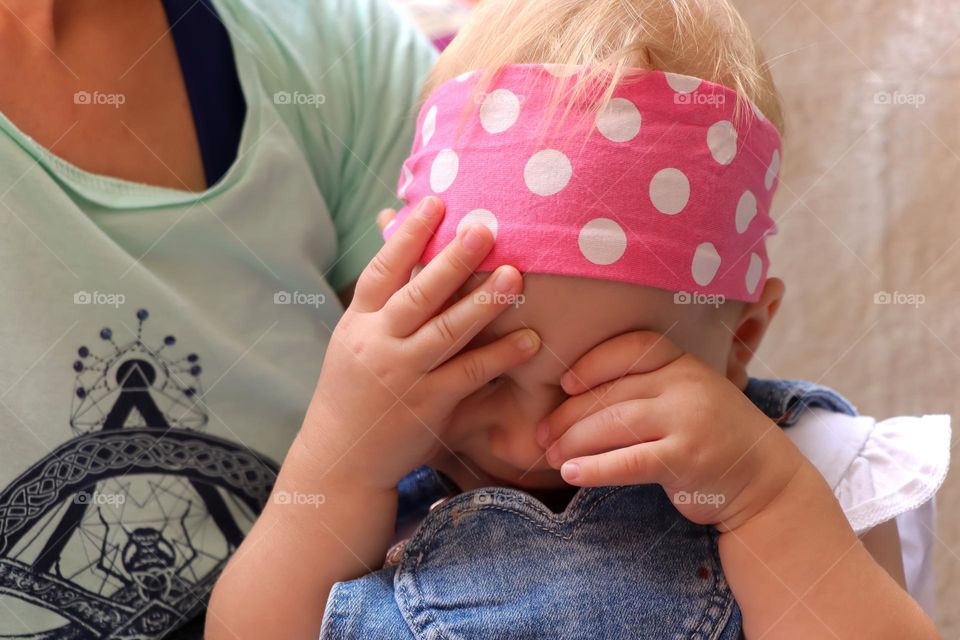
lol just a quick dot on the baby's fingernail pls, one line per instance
(430, 207)
(504, 281)
(474, 239)
(568, 381)
(570, 471)
(528, 341)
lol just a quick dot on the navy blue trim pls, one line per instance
(418, 490)
(212, 82)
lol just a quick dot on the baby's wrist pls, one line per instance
(798, 488)
(308, 490)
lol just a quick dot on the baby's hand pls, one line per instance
(393, 371)
(643, 411)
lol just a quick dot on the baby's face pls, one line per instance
(493, 430)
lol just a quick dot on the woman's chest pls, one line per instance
(107, 95)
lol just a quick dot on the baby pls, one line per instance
(536, 415)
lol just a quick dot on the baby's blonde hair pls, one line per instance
(703, 38)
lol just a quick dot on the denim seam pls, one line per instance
(719, 607)
(331, 628)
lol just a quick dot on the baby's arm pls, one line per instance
(641, 410)
(883, 543)
(277, 582)
(392, 374)
(798, 571)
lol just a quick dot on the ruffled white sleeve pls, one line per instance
(877, 469)
(881, 470)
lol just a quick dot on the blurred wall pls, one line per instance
(869, 203)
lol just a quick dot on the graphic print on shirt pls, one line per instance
(122, 530)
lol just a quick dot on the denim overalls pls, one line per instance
(619, 562)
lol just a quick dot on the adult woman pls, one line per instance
(188, 186)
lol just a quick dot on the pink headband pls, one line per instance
(665, 191)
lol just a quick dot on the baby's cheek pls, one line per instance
(465, 421)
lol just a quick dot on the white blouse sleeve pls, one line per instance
(883, 470)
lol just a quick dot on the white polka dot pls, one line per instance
(444, 169)
(706, 261)
(683, 84)
(407, 181)
(756, 110)
(722, 140)
(500, 109)
(753, 272)
(547, 172)
(772, 170)
(561, 70)
(602, 241)
(479, 216)
(670, 191)
(746, 210)
(463, 76)
(620, 121)
(429, 124)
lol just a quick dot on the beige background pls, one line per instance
(869, 203)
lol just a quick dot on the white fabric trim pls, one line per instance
(881, 471)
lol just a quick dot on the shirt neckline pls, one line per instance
(118, 193)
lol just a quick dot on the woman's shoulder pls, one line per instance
(324, 33)
(877, 469)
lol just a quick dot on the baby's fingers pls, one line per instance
(620, 425)
(384, 218)
(636, 352)
(446, 334)
(390, 269)
(469, 371)
(421, 298)
(637, 464)
(577, 408)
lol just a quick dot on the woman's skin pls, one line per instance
(54, 48)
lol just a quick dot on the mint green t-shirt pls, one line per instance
(160, 347)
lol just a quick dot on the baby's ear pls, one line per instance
(751, 326)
